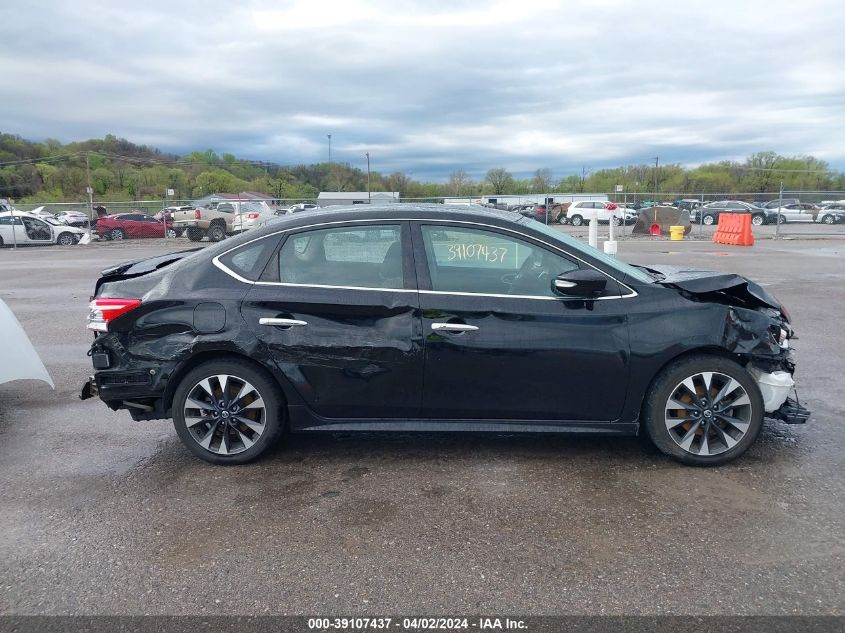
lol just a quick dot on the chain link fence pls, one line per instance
(802, 213)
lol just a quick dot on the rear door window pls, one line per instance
(360, 257)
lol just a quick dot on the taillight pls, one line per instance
(197, 214)
(252, 216)
(103, 311)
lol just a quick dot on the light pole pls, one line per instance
(369, 198)
(656, 163)
(330, 147)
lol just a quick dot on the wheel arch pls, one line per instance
(223, 355)
(705, 350)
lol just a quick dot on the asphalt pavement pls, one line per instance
(103, 515)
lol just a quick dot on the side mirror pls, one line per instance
(579, 283)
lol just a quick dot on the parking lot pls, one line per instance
(103, 515)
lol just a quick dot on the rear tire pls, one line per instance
(239, 422)
(576, 220)
(715, 425)
(709, 220)
(117, 234)
(216, 233)
(758, 220)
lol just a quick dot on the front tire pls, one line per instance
(758, 220)
(65, 239)
(227, 412)
(703, 410)
(195, 234)
(709, 220)
(829, 219)
(576, 220)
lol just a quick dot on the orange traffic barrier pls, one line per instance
(734, 229)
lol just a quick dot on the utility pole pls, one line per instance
(330, 147)
(780, 206)
(656, 165)
(369, 197)
(90, 193)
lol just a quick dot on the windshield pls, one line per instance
(580, 247)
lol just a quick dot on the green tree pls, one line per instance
(500, 179)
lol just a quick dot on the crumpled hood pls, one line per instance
(702, 282)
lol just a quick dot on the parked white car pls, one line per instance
(73, 218)
(251, 214)
(582, 211)
(27, 229)
(302, 206)
(802, 212)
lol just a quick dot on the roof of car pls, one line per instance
(398, 211)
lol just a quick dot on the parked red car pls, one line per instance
(127, 225)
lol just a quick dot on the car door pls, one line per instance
(500, 345)
(339, 311)
(36, 231)
(150, 227)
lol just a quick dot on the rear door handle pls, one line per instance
(454, 327)
(280, 322)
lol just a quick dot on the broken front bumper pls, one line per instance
(791, 412)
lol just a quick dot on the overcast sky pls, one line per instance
(430, 87)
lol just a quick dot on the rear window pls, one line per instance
(249, 260)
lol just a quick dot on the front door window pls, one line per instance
(477, 261)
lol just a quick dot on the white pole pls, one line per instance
(14, 235)
(610, 244)
(594, 231)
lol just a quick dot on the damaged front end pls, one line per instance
(757, 328)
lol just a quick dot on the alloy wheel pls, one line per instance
(225, 414)
(757, 220)
(116, 234)
(709, 220)
(708, 413)
(66, 239)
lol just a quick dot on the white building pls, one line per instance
(507, 200)
(334, 198)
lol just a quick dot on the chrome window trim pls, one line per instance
(216, 261)
(327, 286)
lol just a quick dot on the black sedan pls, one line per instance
(432, 318)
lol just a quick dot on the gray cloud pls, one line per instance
(431, 87)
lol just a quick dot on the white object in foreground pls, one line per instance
(19, 360)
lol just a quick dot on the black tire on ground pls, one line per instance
(179, 232)
(618, 221)
(65, 239)
(195, 234)
(262, 383)
(662, 389)
(758, 219)
(117, 234)
(576, 220)
(829, 219)
(1, 241)
(709, 220)
(216, 233)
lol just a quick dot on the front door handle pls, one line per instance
(280, 322)
(454, 327)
